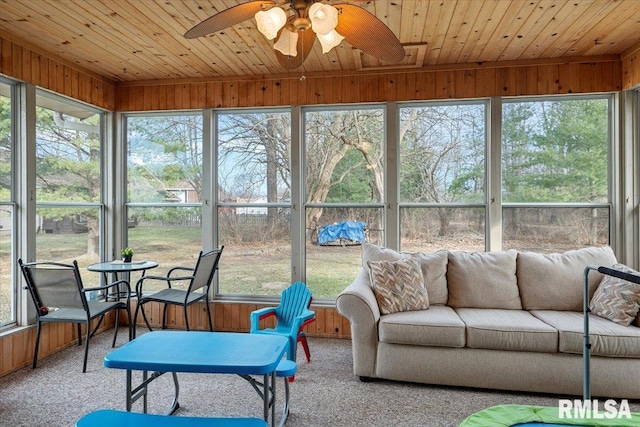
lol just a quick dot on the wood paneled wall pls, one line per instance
(29, 65)
(597, 75)
(631, 68)
(234, 317)
(16, 347)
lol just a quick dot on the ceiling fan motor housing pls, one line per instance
(302, 24)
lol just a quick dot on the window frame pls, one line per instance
(376, 206)
(488, 177)
(11, 204)
(614, 145)
(104, 144)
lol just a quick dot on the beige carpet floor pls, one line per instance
(324, 393)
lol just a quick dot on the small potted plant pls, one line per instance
(127, 254)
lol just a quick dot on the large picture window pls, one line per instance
(442, 177)
(68, 180)
(555, 174)
(344, 193)
(254, 201)
(164, 188)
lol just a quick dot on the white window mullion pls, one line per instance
(391, 174)
(494, 175)
(298, 234)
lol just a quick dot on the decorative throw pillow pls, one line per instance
(616, 299)
(398, 285)
(434, 267)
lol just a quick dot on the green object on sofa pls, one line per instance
(515, 415)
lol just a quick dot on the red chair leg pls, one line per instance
(302, 338)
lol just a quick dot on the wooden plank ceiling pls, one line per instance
(133, 40)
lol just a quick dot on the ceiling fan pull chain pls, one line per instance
(302, 77)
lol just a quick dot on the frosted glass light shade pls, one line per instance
(270, 21)
(324, 18)
(287, 44)
(330, 40)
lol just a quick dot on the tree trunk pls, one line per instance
(93, 237)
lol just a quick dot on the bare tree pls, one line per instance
(442, 156)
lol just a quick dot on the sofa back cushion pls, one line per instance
(434, 268)
(556, 281)
(483, 280)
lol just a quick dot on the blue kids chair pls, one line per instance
(292, 315)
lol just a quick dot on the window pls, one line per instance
(555, 174)
(254, 201)
(344, 193)
(442, 177)
(7, 285)
(68, 180)
(164, 187)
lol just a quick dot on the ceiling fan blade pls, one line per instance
(366, 32)
(227, 18)
(306, 39)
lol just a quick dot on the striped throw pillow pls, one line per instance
(616, 299)
(398, 285)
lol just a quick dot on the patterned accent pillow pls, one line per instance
(616, 299)
(398, 285)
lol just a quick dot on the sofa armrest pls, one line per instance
(358, 304)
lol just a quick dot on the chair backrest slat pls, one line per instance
(294, 300)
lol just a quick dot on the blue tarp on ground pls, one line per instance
(347, 230)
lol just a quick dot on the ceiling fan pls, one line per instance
(295, 25)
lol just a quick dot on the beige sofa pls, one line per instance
(500, 320)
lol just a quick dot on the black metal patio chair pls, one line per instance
(198, 288)
(59, 295)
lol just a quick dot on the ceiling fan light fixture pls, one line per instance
(330, 40)
(287, 43)
(271, 21)
(324, 18)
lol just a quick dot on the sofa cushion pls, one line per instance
(606, 337)
(398, 285)
(483, 280)
(434, 268)
(515, 330)
(617, 299)
(556, 281)
(439, 326)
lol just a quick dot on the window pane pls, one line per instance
(555, 151)
(344, 164)
(344, 156)
(172, 236)
(254, 152)
(68, 163)
(7, 263)
(164, 158)
(432, 229)
(257, 250)
(442, 153)
(6, 143)
(332, 265)
(555, 229)
(67, 152)
(254, 189)
(69, 233)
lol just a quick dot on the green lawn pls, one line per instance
(262, 268)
